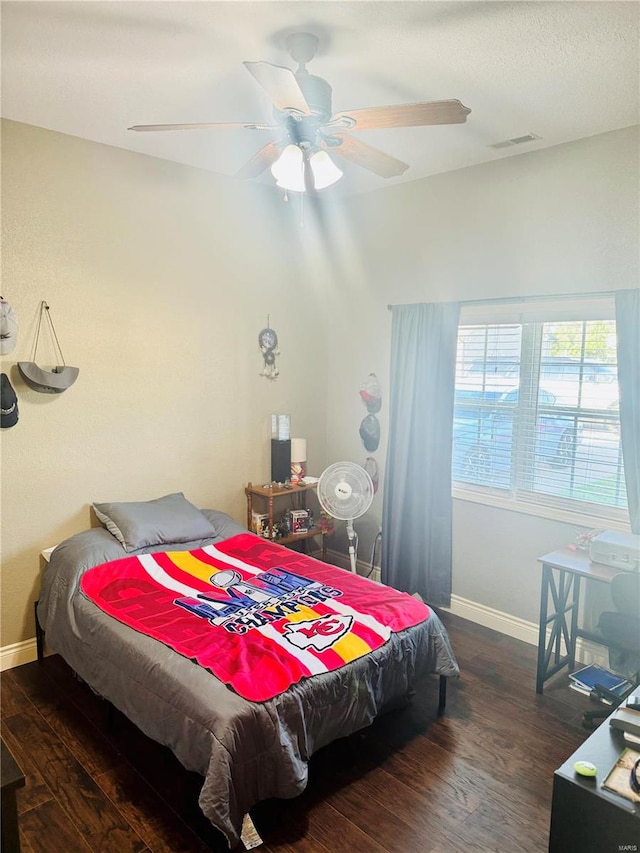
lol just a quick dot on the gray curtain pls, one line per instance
(628, 335)
(416, 512)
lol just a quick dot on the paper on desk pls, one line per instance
(619, 780)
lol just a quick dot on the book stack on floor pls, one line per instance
(585, 680)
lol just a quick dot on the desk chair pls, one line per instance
(620, 631)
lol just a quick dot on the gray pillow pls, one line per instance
(159, 522)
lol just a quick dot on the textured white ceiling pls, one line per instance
(561, 70)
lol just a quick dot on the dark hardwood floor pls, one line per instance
(478, 778)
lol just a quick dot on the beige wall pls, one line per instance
(561, 220)
(159, 278)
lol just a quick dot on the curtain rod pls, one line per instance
(516, 300)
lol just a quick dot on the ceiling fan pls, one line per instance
(305, 128)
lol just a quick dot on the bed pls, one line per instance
(247, 751)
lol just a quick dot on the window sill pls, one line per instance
(552, 512)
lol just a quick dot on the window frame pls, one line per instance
(531, 314)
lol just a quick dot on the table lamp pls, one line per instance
(298, 459)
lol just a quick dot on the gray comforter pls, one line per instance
(246, 751)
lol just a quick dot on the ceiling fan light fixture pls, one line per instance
(288, 170)
(303, 116)
(325, 171)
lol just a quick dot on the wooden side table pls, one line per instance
(268, 495)
(12, 778)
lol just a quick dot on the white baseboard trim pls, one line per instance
(505, 623)
(519, 629)
(337, 558)
(17, 654)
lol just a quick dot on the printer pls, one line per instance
(616, 549)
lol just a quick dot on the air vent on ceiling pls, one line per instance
(516, 140)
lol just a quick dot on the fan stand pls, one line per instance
(352, 548)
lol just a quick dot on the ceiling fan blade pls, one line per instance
(281, 85)
(368, 157)
(259, 162)
(405, 115)
(233, 125)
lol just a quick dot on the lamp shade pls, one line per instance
(325, 171)
(298, 449)
(288, 170)
(298, 459)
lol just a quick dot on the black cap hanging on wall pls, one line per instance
(53, 381)
(8, 403)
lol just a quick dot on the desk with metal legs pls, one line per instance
(562, 574)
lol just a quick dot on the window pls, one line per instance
(536, 416)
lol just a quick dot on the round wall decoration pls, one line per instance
(268, 343)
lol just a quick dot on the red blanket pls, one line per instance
(259, 616)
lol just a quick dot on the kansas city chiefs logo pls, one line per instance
(318, 634)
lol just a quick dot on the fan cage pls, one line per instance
(345, 490)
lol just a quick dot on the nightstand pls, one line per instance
(271, 494)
